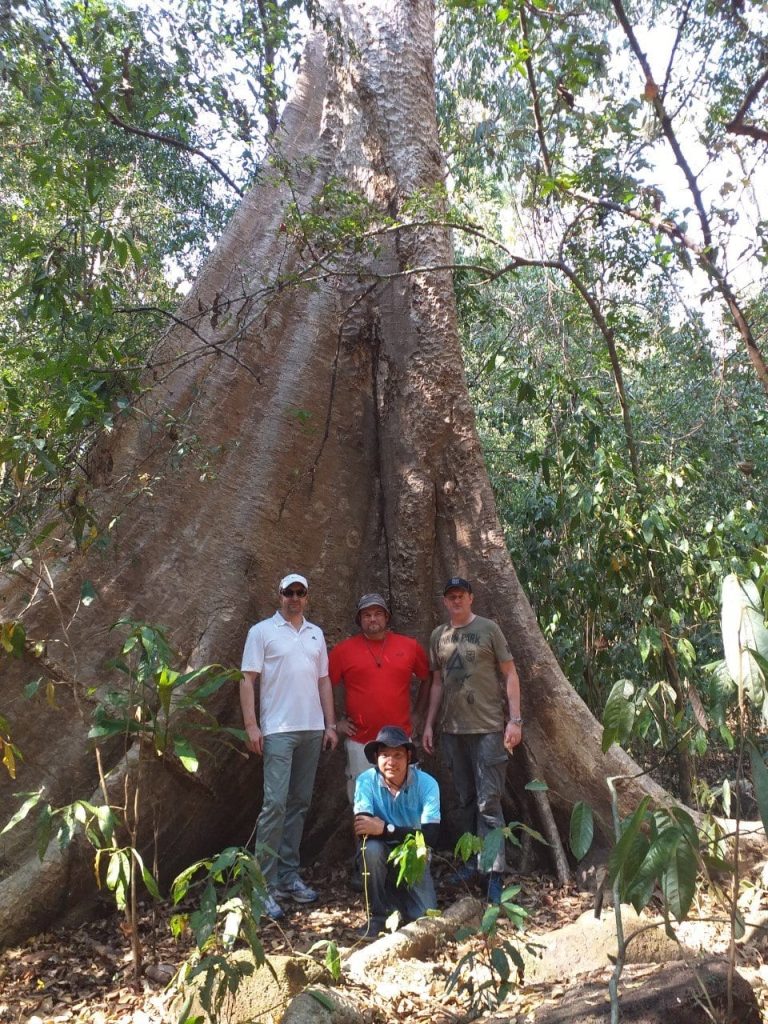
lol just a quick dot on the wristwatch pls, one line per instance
(389, 828)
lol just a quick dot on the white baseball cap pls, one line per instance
(292, 577)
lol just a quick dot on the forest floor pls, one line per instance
(83, 975)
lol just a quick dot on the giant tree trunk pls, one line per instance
(322, 404)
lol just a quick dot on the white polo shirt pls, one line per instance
(290, 662)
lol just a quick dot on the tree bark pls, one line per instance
(321, 402)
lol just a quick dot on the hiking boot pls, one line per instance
(296, 890)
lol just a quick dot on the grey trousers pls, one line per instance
(290, 763)
(478, 763)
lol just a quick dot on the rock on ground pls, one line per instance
(678, 993)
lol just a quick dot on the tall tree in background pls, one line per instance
(314, 378)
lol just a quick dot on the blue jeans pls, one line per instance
(383, 895)
(290, 763)
(478, 763)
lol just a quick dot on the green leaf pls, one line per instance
(536, 786)
(639, 887)
(582, 829)
(620, 853)
(33, 799)
(493, 845)
(333, 960)
(186, 754)
(490, 917)
(87, 593)
(500, 963)
(118, 877)
(678, 882)
(619, 714)
(146, 876)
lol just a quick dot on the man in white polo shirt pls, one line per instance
(288, 657)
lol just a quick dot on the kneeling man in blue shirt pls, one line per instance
(392, 800)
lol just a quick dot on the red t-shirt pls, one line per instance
(377, 680)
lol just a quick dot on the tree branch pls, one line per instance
(737, 125)
(706, 261)
(537, 119)
(653, 93)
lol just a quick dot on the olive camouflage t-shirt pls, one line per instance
(468, 658)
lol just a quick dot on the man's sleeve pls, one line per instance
(363, 802)
(500, 645)
(322, 668)
(253, 652)
(430, 810)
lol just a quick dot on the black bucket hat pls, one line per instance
(389, 736)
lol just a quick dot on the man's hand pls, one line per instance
(513, 734)
(428, 740)
(255, 741)
(330, 739)
(369, 825)
(346, 727)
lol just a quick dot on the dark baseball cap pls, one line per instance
(457, 583)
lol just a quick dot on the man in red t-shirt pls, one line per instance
(376, 668)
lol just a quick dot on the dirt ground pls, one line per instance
(83, 975)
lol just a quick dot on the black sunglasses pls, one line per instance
(299, 592)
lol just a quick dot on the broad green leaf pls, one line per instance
(536, 786)
(87, 593)
(118, 877)
(582, 829)
(630, 831)
(639, 887)
(147, 877)
(32, 800)
(333, 960)
(493, 845)
(678, 882)
(500, 963)
(619, 714)
(186, 754)
(490, 917)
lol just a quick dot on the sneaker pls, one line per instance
(296, 890)
(495, 887)
(272, 908)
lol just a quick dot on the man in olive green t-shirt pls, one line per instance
(479, 720)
